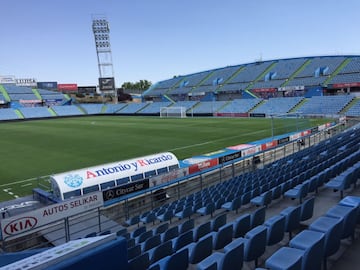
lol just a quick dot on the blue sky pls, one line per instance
(52, 40)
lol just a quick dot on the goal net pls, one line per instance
(177, 112)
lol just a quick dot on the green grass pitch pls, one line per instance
(37, 148)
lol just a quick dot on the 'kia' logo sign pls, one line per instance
(20, 225)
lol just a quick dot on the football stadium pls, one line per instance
(247, 166)
(237, 160)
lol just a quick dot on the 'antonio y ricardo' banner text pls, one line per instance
(30, 221)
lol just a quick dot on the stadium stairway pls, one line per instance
(5, 94)
(247, 89)
(349, 105)
(307, 62)
(19, 114)
(337, 70)
(37, 94)
(231, 77)
(52, 111)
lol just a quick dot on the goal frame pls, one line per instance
(172, 112)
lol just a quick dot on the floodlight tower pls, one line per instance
(101, 31)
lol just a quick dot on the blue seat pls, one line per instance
(142, 237)
(160, 251)
(340, 182)
(276, 192)
(245, 198)
(332, 228)
(134, 252)
(150, 217)
(351, 201)
(312, 243)
(133, 220)
(255, 244)
(258, 217)
(217, 222)
(262, 200)
(176, 261)
(166, 216)
(121, 232)
(350, 216)
(151, 242)
(186, 226)
(219, 202)
(199, 250)
(185, 213)
(161, 228)
(182, 240)
(275, 229)
(241, 225)
(202, 230)
(292, 218)
(138, 231)
(298, 192)
(208, 209)
(285, 258)
(233, 205)
(222, 237)
(141, 262)
(307, 209)
(130, 242)
(170, 234)
(229, 260)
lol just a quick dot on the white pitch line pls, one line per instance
(212, 141)
(28, 184)
(18, 182)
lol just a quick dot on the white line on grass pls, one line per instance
(26, 185)
(212, 141)
(18, 182)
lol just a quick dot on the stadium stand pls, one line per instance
(17, 93)
(67, 110)
(214, 227)
(8, 114)
(46, 94)
(277, 105)
(354, 111)
(208, 107)
(35, 112)
(154, 108)
(92, 108)
(113, 108)
(325, 105)
(132, 108)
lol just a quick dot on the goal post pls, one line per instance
(176, 112)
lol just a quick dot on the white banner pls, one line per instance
(30, 221)
(30, 82)
(10, 79)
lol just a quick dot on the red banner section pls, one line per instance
(268, 145)
(344, 85)
(231, 114)
(67, 87)
(203, 165)
(264, 90)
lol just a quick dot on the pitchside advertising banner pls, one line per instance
(107, 84)
(32, 221)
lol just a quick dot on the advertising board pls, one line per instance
(31, 221)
